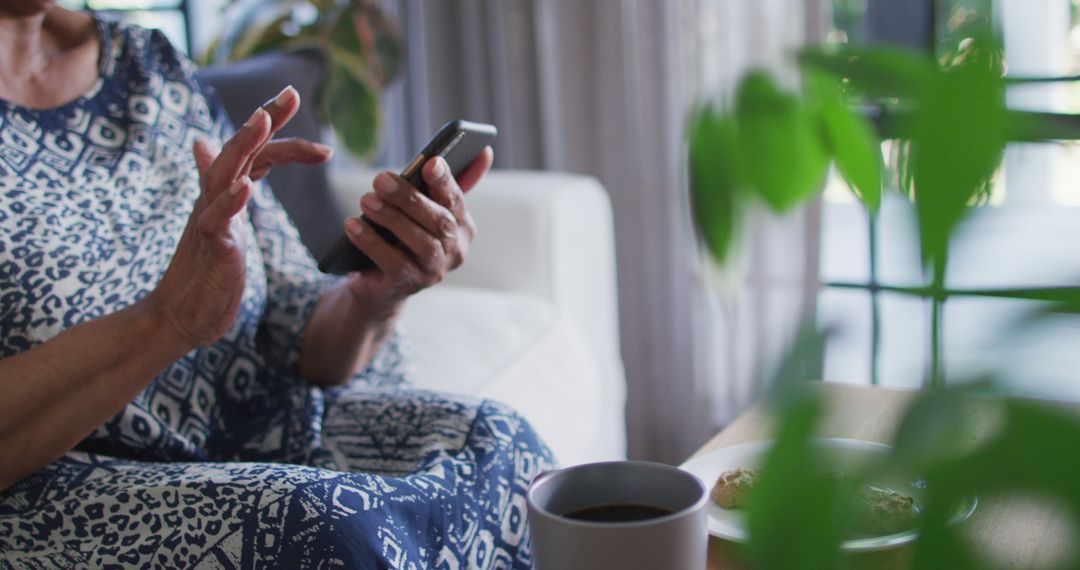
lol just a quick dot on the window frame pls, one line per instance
(913, 24)
(183, 7)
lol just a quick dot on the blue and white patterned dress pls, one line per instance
(227, 459)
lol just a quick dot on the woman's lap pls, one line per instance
(449, 493)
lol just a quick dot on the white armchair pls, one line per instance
(531, 319)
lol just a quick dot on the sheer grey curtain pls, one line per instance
(756, 304)
(600, 87)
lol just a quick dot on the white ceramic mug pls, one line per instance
(675, 540)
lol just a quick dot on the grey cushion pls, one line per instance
(302, 190)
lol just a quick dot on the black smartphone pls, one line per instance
(459, 143)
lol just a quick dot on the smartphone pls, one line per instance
(459, 143)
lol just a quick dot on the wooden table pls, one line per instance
(1019, 533)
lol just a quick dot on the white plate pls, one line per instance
(848, 455)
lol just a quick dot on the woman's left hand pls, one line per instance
(287, 151)
(436, 231)
(199, 294)
(277, 152)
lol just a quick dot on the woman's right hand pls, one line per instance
(56, 393)
(199, 295)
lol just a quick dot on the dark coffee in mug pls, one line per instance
(617, 513)
(629, 515)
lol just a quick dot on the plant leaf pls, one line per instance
(364, 39)
(780, 143)
(795, 521)
(875, 72)
(958, 140)
(851, 139)
(383, 38)
(353, 108)
(938, 425)
(251, 26)
(715, 179)
(1031, 453)
(344, 42)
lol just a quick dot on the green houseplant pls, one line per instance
(773, 147)
(359, 39)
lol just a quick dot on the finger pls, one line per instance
(432, 216)
(428, 252)
(205, 152)
(443, 188)
(259, 172)
(386, 257)
(282, 108)
(229, 165)
(285, 151)
(227, 204)
(476, 170)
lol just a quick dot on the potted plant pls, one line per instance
(774, 147)
(359, 39)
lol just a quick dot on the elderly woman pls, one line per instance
(179, 386)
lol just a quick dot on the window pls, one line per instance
(1025, 237)
(172, 17)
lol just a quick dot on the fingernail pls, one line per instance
(372, 202)
(385, 183)
(281, 98)
(439, 170)
(239, 185)
(255, 117)
(354, 227)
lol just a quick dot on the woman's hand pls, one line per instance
(436, 232)
(352, 319)
(62, 389)
(200, 293)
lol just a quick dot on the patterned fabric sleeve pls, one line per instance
(294, 285)
(293, 281)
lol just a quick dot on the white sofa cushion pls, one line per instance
(519, 350)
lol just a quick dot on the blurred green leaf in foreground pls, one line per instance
(799, 510)
(772, 147)
(954, 118)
